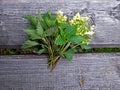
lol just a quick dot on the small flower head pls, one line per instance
(89, 33)
(64, 18)
(92, 28)
(60, 17)
(77, 17)
(71, 21)
(86, 41)
(60, 13)
(86, 18)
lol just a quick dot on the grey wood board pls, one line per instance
(104, 14)
(92, 71)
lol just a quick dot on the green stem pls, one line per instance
(62, 47)
(66, 47)
(48, 46)
(75, 46)
(55, 61)
(58, 58)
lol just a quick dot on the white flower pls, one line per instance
(71, 21)
(65, 18)
(77, 16)
(60, 13)
(86, 18)
(92, 28)
(89, 33)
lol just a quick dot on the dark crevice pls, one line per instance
(118, 69)
(32, 51)
(115, 12)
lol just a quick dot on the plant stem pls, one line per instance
(48, 46)
(66, 47)
(55, 63)
(75, 46)
(58, 58)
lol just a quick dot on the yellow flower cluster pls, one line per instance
(77, 18)
(60, 17)
(83, 29)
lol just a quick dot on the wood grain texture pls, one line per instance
(85, 72)
(104, 14)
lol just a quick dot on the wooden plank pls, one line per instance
(105, 14)
(92, 71)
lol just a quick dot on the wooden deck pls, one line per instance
(104, 14)
(89, 71)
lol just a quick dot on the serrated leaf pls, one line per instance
(69, 54)
(53, 21)
(41, 19)
(47, 14)
(59, 41)
(85, 46)
(44, 25)
(50, 31)
(31, 27)
(40, 16)
(47, 18)
(32, 34)
(76, 39)
(50, 21)
(39, 28)
(29, 44)
(32, 19)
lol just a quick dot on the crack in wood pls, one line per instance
(115, 12)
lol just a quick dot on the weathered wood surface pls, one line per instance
(85, 72)
(105, 14)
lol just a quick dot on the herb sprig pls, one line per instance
(57, 35)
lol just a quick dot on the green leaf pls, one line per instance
(50, 31)
(69, 54)
(59, 41)
(64, 25)
(29, 44)
(53, 21)
(47, 14)
(61, 31)
(41, 20)
(40, 16)
(32, 34)
(41, 51)
(50, 21)
(76, 39)
(32, 19)
(47, 18)
(39, 28)
(71, 30)
(85, 46)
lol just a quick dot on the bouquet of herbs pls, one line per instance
(57, 35)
